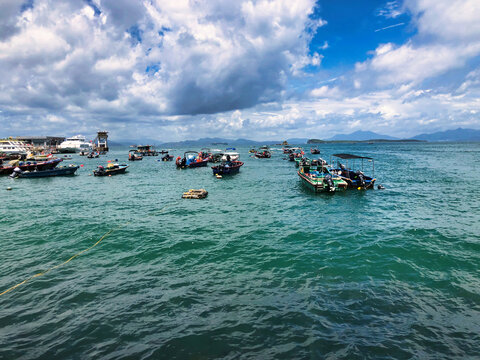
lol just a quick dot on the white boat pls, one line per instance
(10, 146)
(233, 156)
(75, 144)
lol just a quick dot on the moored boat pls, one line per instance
(112, 169)
(93, 155)
(265, 154)
(7, 169)
(314, 150)
(319, 179)
(147, 150)
(167, 157)
(191, 159)
(59, 171)
(353, 176)
(227, 168)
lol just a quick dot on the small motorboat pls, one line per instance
(320, 179)
(227, 168)
(59, 171)
(355, 179)
(265, 154)
(93, 155)
(134, 155)
(167, 157)
(29, 165)
(112, 169)
(314, 150)
(147, 150)
(191, 159)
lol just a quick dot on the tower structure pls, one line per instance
(101, 141)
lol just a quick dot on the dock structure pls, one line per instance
(44, 142)
(100, 143)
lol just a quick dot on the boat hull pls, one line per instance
(227, 170)
(31, 166)
(109, 172)
(66, 171)
(318, 185)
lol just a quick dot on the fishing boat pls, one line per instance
(263, 154)
(191, 159)
(227, 168)
(297, 153)
(112, 169)
(133, 155)
(59, 171)
(287, 149)
(352, 175)
(7, 169)
(320, 179)
(314, 150)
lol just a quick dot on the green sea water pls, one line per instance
(262, 268)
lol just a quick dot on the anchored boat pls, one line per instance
(320, 179)
(28, 166)
(227, 168)
(112, 169)
(354, 178)
(59, 171)
(191, 159)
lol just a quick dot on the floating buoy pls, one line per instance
(380, 187)
(218, 176)
(9, 188)
(195, 194)
(359, 188)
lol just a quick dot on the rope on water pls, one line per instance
(77, 254)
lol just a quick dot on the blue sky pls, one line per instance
(261, 69)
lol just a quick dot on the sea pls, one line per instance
(122, 267)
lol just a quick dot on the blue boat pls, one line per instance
(59, 171)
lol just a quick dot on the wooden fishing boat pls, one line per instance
(352, 175)
(147, 150)
(319, 179)
(28, 166)
(59, 171)
(227, 168)
(265, 154)
(112, 169)
(191, 159)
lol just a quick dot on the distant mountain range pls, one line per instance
(449, 135)
(361, 136)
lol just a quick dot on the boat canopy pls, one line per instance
(350, 156)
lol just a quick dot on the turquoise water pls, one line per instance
(261, 268)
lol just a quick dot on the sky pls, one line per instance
(170, 70)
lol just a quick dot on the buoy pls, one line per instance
(109, 175)
(359, 188)
(9, 188)
(380, 187)
(218, 176)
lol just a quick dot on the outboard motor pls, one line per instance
(361, 179)
(328, 181)
(16, 172)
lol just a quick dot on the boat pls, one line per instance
(147, 150)
(134, 155)
(28, 165)
(216, 155)
(191, 159)
(314, 150)
(59, 171)
(297, 153)
(252, 150)
(112, 169)
(263, 154)
(75, 144)
(93, 155)
(66, 157)
(320, 179)
(227, 168)
(11, 146)
(355, 177)
(287, 149)
(167, 157)
(230, 155)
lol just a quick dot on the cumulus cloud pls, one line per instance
(125, 58)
